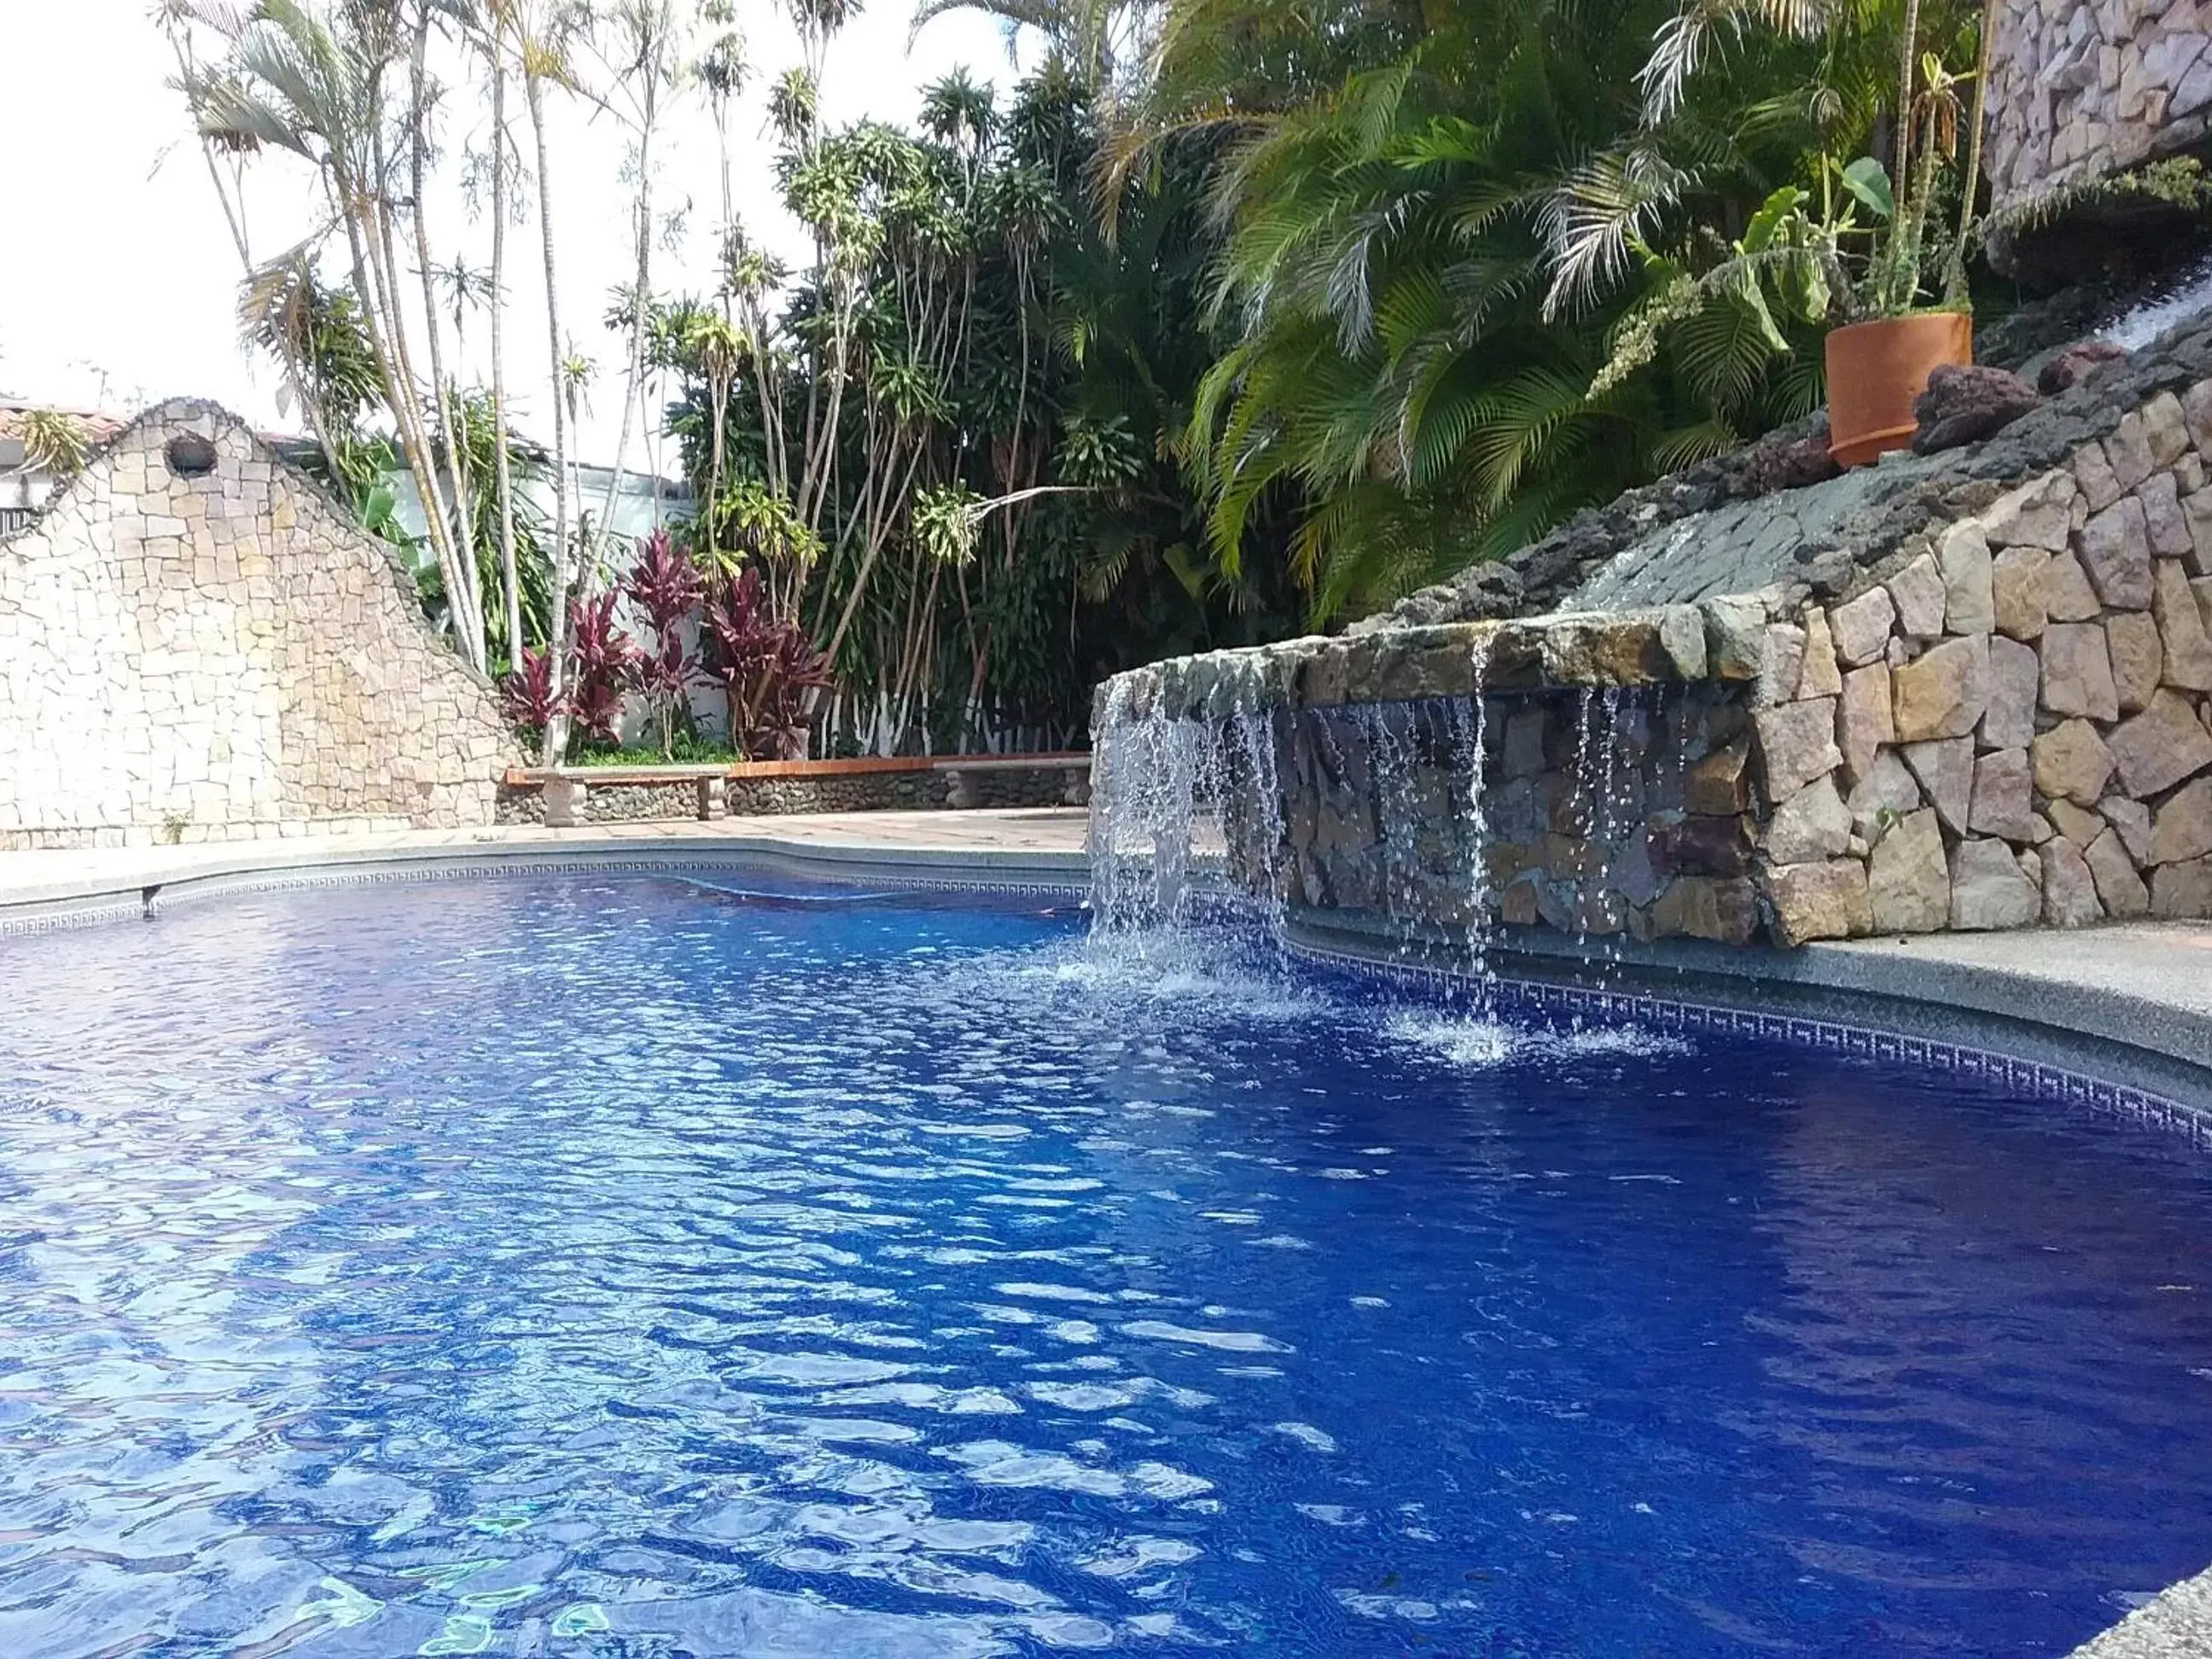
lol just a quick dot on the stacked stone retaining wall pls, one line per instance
(1621, 813)
(197, 645)
(2082, 89)
(2014, 723)
(1967, 694)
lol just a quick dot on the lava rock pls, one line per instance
(1780, 461)
(2075, 364)
(1965, 402)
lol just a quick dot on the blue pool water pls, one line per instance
(602, 1265)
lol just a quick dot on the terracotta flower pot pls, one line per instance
(1875, 372)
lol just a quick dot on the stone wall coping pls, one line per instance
(1717, 638)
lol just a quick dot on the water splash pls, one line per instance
(1478, 1044)
(1481, 920)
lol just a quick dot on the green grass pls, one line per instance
(687, 754)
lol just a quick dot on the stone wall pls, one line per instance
(1970, 691)
(837, 791)
(2012, 724)
(633, 804)
(799, 787)
(197, 645)
(2079, 89)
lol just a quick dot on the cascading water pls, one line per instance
(1481, 901)
(1391, 763)
(1605, 834)
(1195, 868)
(1186, 826)
(2137, 327)
(1252, 817)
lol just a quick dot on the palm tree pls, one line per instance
(313, 84)
(226, 167)
(1101, 43)
(648, 49)
(541, 34)
(489, 25)
(1837, 77)
(420, 98)
(1389, 189)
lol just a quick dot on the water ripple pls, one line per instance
(604, 1266)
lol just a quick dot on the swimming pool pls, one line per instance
(606, 1264)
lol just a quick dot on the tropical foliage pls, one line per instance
(1233, 316)
(948, 445)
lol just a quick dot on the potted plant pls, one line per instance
(1854, 261)
(1878, 364)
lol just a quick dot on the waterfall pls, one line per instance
(1152, 773)
(1481, 901)
(1258, 846)
(2141, 324)
(1390, 762)
(1222, 812)
(1186, 823)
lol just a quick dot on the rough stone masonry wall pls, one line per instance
(222, 656)
(2010, 722)
(2081, 89)
(1997, 714)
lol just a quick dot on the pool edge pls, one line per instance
(135, 888)
(2176, 1624)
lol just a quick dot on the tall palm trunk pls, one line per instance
(358, 209)
(556, 631)
(640, 295)
(510, 581)
(418, 118)
(229, 195)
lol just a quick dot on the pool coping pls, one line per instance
(2153, 1049)
(2058, 997)
(2176, 1624)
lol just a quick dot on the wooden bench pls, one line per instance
(567, 788)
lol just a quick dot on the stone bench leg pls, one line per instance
(713, 802)
(564, 803)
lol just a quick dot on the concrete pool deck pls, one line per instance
(2144, 987)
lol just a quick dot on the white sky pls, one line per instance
(118, 278)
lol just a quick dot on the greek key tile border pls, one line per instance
(2036, 1079)
(64, 914)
